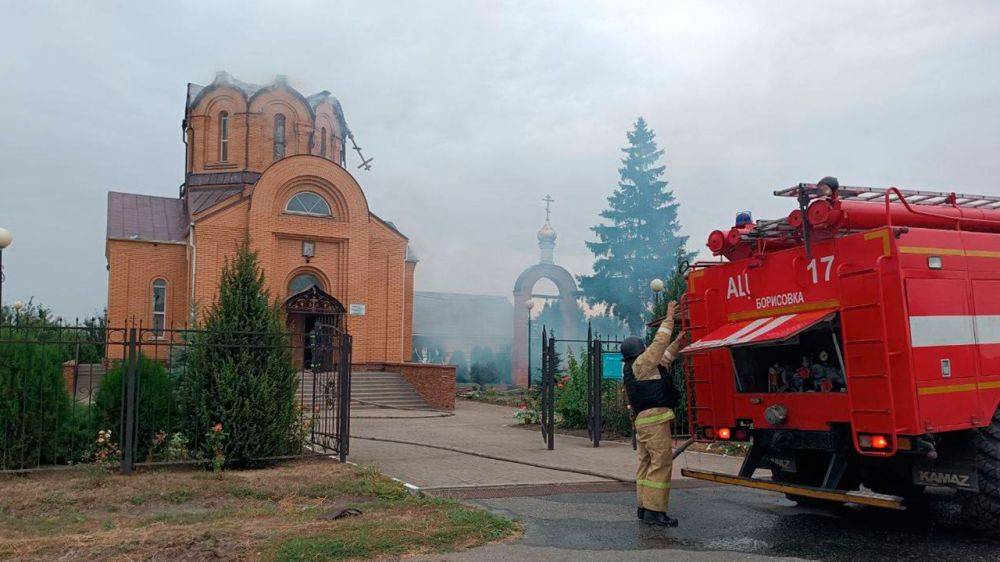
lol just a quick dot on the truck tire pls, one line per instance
(982, 509)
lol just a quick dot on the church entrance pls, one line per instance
(313, 315)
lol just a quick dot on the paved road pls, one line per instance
(484, 428)
(726, 523)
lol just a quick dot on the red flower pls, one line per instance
(217, 428)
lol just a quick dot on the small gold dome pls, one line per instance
(546, 233)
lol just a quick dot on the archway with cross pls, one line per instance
(524, 287)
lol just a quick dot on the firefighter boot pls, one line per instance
(658, 518)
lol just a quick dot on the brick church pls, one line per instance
(268, 162)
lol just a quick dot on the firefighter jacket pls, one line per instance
(647, 380)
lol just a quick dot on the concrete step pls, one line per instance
(370, 390)
(386, 389)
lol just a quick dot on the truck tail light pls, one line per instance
(723, 433)
(873, 441)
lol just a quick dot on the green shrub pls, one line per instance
(35, 409)
(154, 411)
(238, 371)
(571, 393)
(616, 417)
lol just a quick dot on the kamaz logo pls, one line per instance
(784, 464)
(943, 479)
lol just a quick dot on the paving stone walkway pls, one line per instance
(485, 428)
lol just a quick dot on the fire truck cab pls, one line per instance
(856, 343)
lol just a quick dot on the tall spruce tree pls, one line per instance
(641, 240)
(239, 370)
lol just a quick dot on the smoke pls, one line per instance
(474, 112)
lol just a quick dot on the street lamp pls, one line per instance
(657, 286)
(5, 239)
(528, 304)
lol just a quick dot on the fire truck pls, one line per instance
(856, 344)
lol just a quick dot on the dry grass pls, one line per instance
(282, 512)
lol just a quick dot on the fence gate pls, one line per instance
(548, 389)
(331, 391)
(598, 351)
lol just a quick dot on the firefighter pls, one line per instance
(652, 397)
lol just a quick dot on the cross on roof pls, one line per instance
(548, 202)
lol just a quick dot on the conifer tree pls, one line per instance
(641, 239)
(239, 370)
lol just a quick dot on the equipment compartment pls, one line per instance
(810, 361)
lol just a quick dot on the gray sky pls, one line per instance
(474, 111)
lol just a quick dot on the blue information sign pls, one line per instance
(611, 365)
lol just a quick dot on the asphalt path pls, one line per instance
(729, 523)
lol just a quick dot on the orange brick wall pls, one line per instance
(132, 268)
(253, 149)
(411, 267)
(359, 258)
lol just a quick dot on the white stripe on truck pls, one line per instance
(933, 331)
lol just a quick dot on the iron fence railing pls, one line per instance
(598, 386)
(73, 394)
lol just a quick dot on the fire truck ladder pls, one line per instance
(869, 384)
(688, 364)
(911, 196)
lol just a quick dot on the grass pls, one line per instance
(280, 513)
(441, 531)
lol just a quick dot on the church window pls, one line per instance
(223, 136)
(302, 282)
(159, 307)
(308, 203)
(279, 136)
(322, 142)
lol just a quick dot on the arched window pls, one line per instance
(159, 307)
(302, 282)
(223, 136)
(308, 203)
(322, 142)
(279, 137)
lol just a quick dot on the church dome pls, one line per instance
(546, 233)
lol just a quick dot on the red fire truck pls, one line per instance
(856, 343)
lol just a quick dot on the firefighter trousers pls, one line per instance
(655, 447)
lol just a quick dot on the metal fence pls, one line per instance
(77, 394)
(597, 384)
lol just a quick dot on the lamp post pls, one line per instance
(5, 240)
(528, 304)
(657, 286)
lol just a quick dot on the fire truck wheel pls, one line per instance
(983, 509)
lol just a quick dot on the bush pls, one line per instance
(616, 417)
(238, 371)
(571, 394)
(154, 411)
(35, 409)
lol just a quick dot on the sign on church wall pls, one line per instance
(357, 309)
